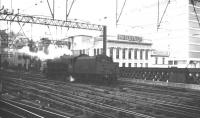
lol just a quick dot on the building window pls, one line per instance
(95, 52)
(111, 52)
(135, 54)
(124, 53)
(141, 64)
(141, 54)
(129, 54)
(80, 51)
(156, 60)
(175, 62)
(135, 64)
(117, 53)
(146, 54)
(123, 64)
(146, 65)
(129, 64)
(98, 51)
(170, 62)
(163, 60)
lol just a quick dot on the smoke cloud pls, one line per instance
(53, 52)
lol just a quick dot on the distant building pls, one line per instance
(159, 59)
(128, 51)
(3, 45)
(183, 19)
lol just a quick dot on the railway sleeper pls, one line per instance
(62, 103)
(42, 101)
(18, 111)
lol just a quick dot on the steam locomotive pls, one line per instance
(84, 68)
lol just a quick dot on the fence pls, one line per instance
(178, 75)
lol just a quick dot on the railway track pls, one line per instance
(86, 93)
(13, 109)
(188, 97)
(158, 88)
(81, 102)
(168, 106)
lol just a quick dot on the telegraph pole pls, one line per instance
(104, 39)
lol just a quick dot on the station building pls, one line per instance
(183, 24)
(128, 51)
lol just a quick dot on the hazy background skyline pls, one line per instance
(139, 18)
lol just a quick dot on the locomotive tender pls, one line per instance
(83, 68)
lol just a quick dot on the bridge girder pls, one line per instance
(6, 16)
(47, 21)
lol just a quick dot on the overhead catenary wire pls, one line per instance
(195, 12)
(22, 30)
(19, 31)
(158, 15)
(116, 13)
(163, 14)
(70, 9)
(160, 4)
(51, 10)
(118, 18)
(66, 9)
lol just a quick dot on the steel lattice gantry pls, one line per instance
(5, 16)
(48, 21)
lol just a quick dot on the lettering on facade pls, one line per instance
(129, 38)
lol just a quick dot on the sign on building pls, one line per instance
(129, 38)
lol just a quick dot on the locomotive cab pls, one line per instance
(96, 68)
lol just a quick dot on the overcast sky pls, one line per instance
(139, 17)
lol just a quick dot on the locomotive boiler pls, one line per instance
(83, 68)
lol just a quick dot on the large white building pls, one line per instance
(181, 28)
(128, 51)
(183, 19)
